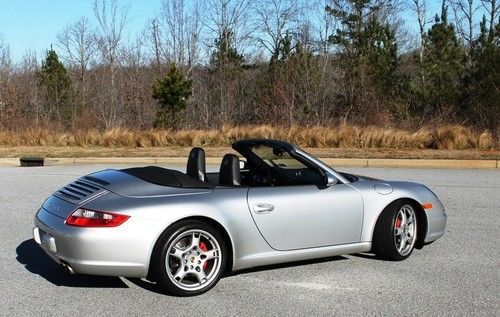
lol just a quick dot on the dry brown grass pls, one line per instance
(449, 137)
(218, 152)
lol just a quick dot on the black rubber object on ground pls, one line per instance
(31, 161)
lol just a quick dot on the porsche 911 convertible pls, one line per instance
(274, 204)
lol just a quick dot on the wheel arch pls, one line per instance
(219, 227)
(421, 220)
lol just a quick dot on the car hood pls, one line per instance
(367, 178)
(354, 177)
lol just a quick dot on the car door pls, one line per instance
(305, 216)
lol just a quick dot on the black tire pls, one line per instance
(174, 239)
(388, 239)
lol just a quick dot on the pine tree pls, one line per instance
(53, 79)
(225, 53)
(368, 54)
(443, 67)
(481, 94)
(390, 86)
(302, 71)
(284, 50)
(172, 93)
(226, 72)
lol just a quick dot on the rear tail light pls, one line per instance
(91, 218)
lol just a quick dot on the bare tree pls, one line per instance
(5, 60)
(420, 9)
(463, 11)
(34, 107)
(492, 7)
(135, 90)
(77, 41)
(274, 18)
(111, 20)
(228, 18)
(5, 64)
(152, 38)
(181, 28)
(5, 76)
(323, 24)
(227, 21)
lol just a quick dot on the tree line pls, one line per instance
(278, 62)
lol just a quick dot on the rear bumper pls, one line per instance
(97, 251)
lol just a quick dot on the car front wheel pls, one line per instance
(396, 232)
(191, 259)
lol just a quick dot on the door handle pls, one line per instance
(263, 208)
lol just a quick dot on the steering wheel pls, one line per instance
(262, 176)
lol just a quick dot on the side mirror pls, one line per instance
(243, 165)
(331, 180)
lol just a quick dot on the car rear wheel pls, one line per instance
(191, 258)
(396, 232)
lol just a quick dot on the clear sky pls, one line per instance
(34, 24)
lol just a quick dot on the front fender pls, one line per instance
(376, 202)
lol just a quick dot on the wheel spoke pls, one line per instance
(177, 253)
(195, 240)
(410, 219)
(402, 243)
(410, 239)
(211, 254)
(404, 219)
(201, 276)
(181, 273)
(398, 231)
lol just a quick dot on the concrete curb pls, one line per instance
(341, 162)
(9, 161)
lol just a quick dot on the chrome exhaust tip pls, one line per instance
(67, 268)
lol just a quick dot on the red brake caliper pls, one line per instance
(398, 223)
(203, 247)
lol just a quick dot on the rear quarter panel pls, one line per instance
(227, 206)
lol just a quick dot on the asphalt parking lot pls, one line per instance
(457, 275)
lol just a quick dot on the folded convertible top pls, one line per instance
(165, 177)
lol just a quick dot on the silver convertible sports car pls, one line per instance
(185, 230)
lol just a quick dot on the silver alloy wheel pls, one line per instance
(405, 230)
(193, 260)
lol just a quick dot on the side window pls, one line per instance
(301, 176)
(283, 169)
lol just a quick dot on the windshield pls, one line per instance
(275, 156)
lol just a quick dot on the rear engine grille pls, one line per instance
(78, 190)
